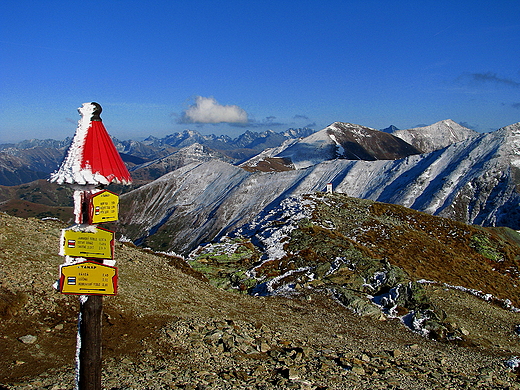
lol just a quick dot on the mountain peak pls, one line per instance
(339, 140)
(390, 129)
(436, 136)
(358, 142)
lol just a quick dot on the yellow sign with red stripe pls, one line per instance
(88, 278)
(104, 207)
(91, 242)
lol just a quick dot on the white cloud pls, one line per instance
(207, 110)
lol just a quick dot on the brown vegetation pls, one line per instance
(167, 329)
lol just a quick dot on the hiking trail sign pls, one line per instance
(104, 207)
(88, 277)
(91, 243)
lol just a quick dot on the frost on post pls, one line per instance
(92, 158)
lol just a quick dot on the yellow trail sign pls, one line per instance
(93, 242)
(88, 278)
(104, 207)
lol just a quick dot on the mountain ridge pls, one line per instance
(354, 142)
(472, 181)
(365, 253)
(34, 159)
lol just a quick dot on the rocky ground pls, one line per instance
(168, 328)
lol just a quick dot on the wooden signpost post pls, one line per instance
(91, 163)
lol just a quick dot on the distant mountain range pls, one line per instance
(153, 157)
(191, 188)
(35, 159)
(29, 160)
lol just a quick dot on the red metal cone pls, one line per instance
(92, 158)
(101, 156)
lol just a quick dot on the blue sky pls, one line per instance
(158, 67)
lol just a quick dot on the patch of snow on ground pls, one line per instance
(284, 288)
(335, 265)
(506, 303)
(513, 363)
(224, 247)
(360, 133)
(272, 228)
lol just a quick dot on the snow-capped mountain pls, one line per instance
(194, 153)
(251, 140)
(436, 136)
(473, 181)
(339, 140)
(186, 138)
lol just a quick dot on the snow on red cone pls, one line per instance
(92, 157)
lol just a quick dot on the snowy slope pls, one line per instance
(436, 136)
(339, 140)
(472, 181)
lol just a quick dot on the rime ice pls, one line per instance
(91, 159)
